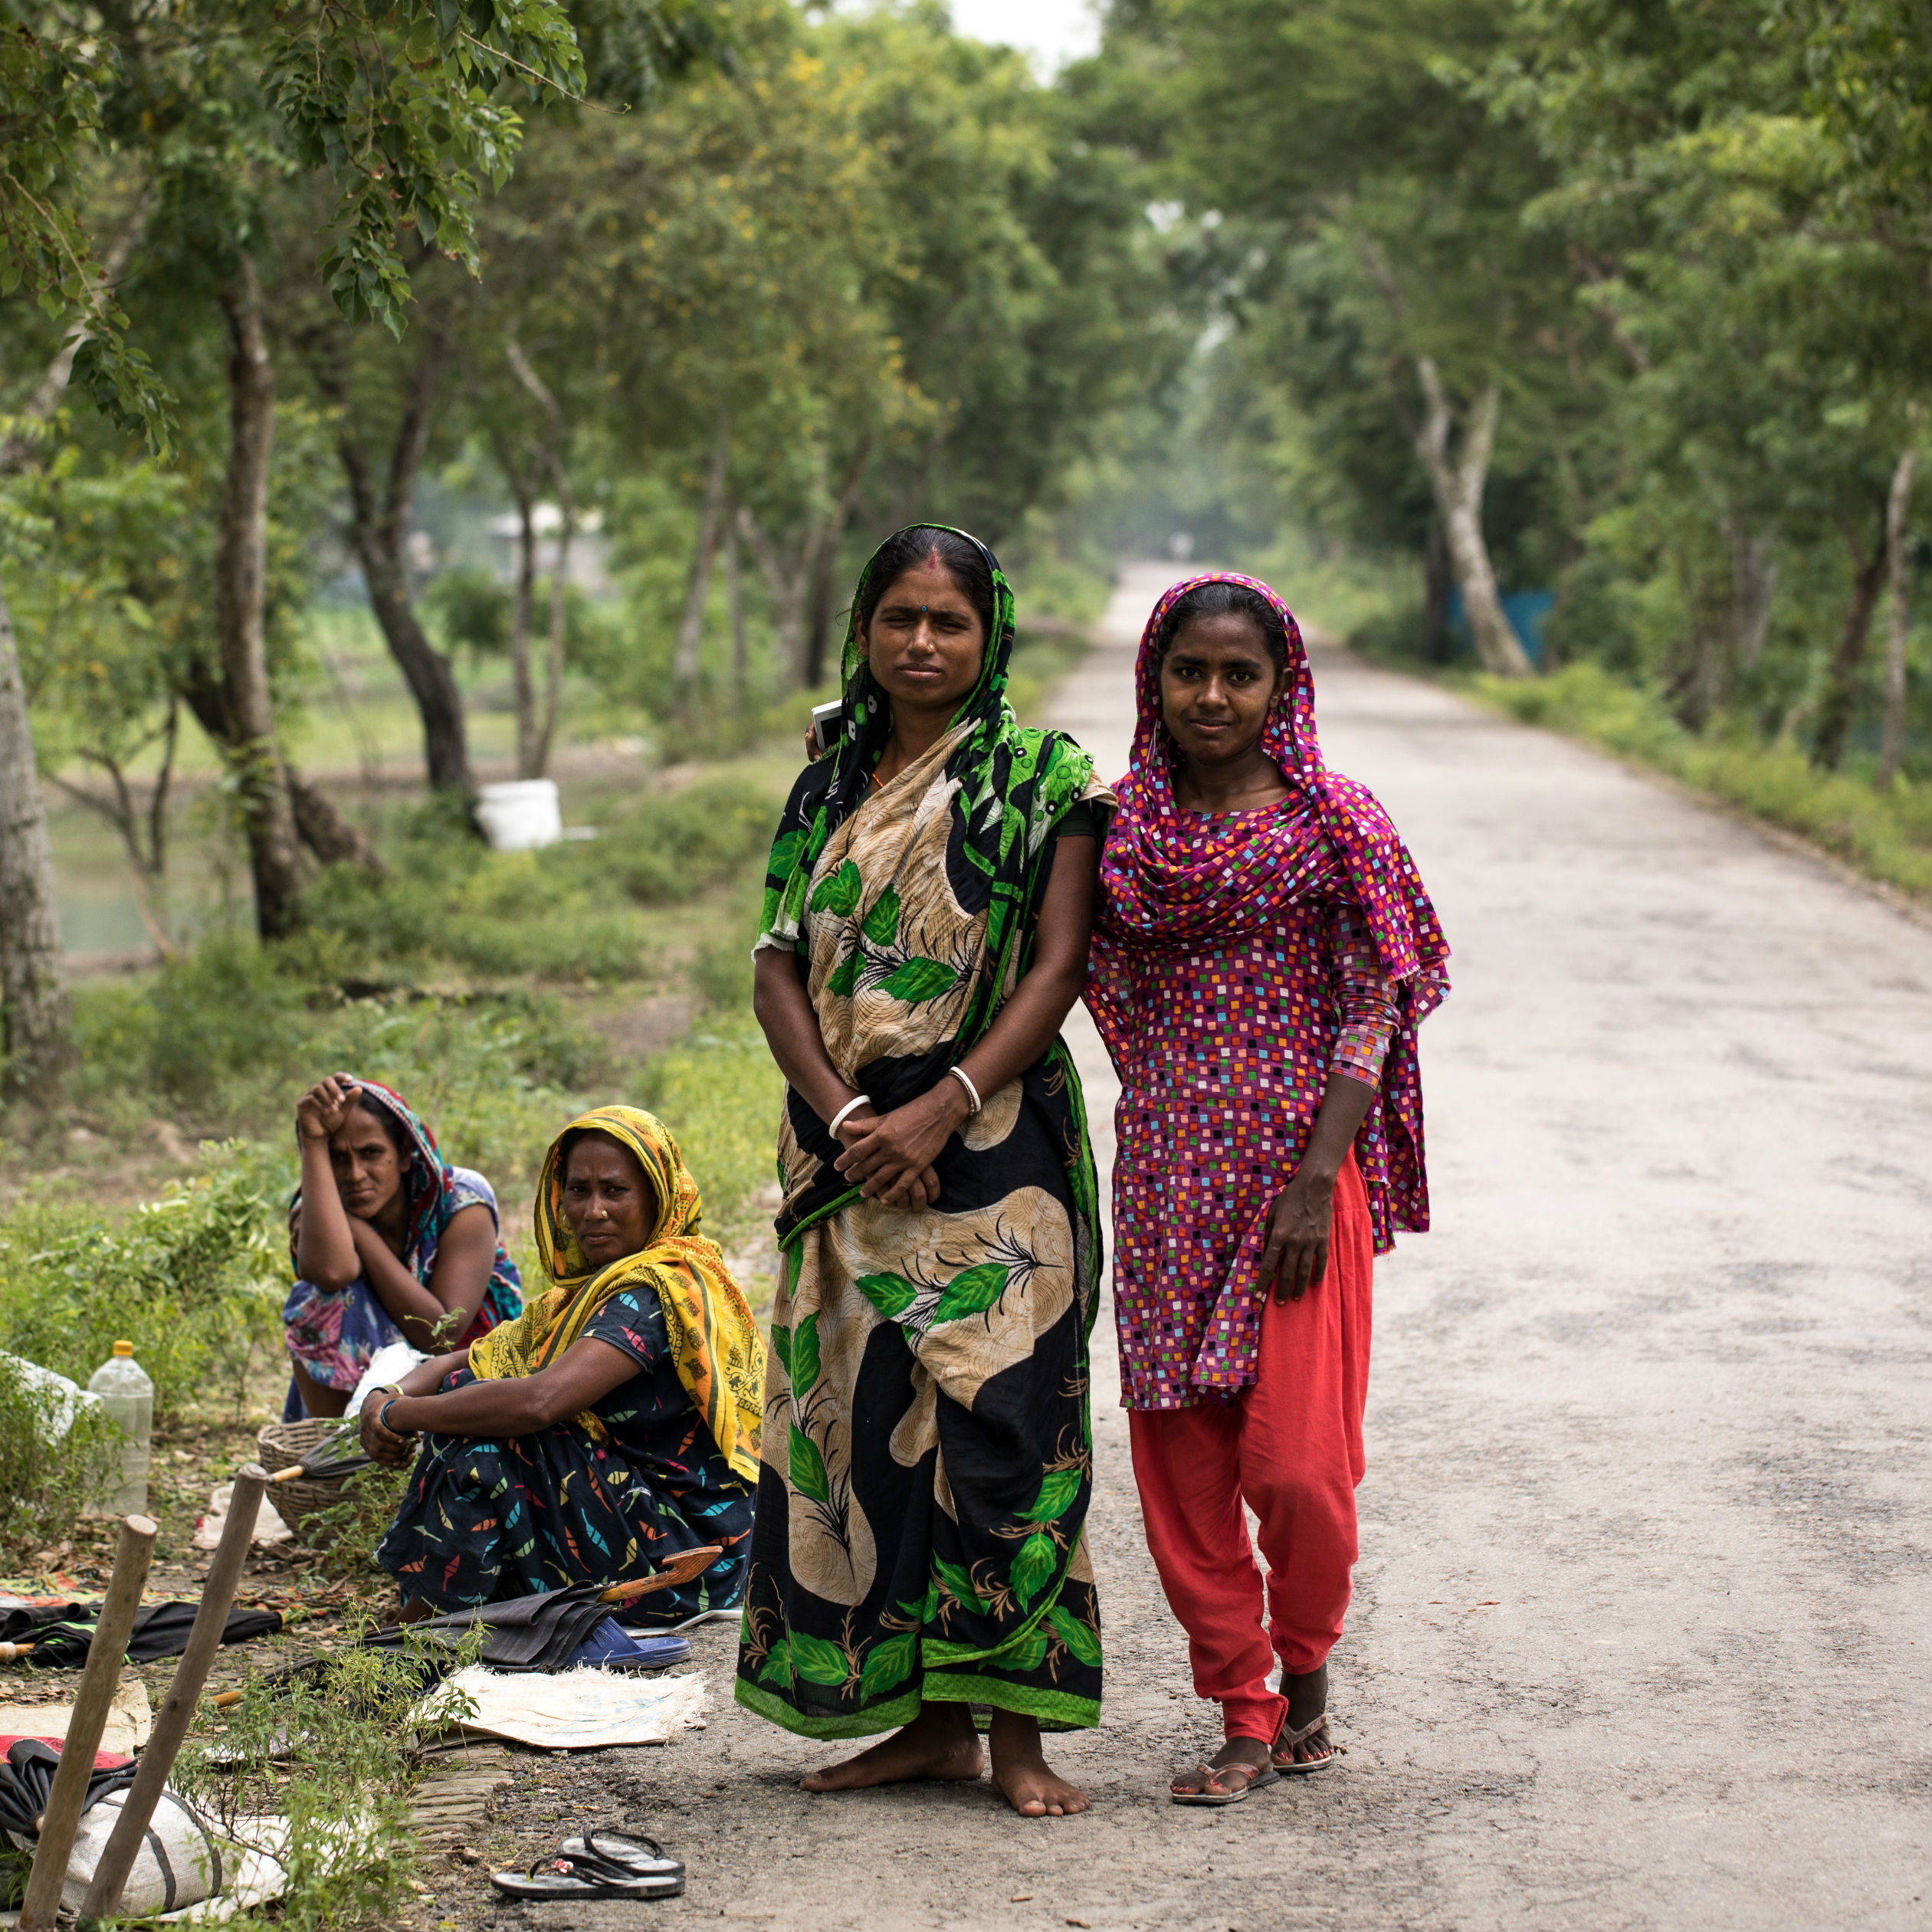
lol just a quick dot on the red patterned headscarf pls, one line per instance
(1158, 890)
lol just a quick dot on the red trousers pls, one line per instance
(1290, 1447)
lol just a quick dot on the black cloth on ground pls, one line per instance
(26, 1781)
(63, 1632)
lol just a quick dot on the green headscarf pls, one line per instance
(1015, 782)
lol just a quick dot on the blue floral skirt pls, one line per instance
(486, 1518)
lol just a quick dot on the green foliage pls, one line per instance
(1887, 834)
(227, 1037)
(349, 1852)
(344, 1536)
(53, 1461)
(719, 1092)
(194, 1280)
(471, 607)
(670, 846)
(51, 111)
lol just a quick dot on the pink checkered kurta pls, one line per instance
(1239, 960)
(1230, 1055)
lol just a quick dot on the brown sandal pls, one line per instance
(1281, 1752)
(1212, 1774)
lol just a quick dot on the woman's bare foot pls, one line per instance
(939, 1743)
(1247, 1757)
(1030, 1785)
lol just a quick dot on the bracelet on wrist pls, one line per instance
(973, 1102)
(851, 1107)
(382, 1416)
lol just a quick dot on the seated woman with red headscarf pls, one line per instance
(391, 1244)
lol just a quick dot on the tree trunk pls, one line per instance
(543, 734)
(38, 1015)
(241, 585)
(521, 613)
(1753, 585)
(786, 588)
(1435, 594)
(823, 594)
(1459, 491)
(697, 588)
(142, 829)
(559, 625)
(1841, 682)
(1701, 691)
(327, 833)
(734, 598)
(1898, 569)
(379, 534)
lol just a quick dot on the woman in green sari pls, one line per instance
(927, 1461)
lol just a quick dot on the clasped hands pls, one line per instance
(383, 1445)
(890, 1156)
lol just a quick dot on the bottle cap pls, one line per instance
(123, 1348)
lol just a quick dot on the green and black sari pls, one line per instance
(927, 1458)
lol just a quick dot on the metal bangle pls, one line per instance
(965, 1081)
(382, 1415)
(851, 1107)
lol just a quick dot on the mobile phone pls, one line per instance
(825, 722)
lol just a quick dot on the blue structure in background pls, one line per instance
(1525, 609)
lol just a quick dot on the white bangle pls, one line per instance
(965, 1081)
(850, 1107)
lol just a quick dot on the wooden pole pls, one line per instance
(177, 1710)
(98, 1683)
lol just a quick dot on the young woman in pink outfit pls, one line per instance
(1263, 952)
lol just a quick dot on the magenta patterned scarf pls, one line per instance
(1156, 893)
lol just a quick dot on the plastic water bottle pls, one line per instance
(127, 1396)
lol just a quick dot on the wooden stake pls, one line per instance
(98, 1683)
(177, 1710)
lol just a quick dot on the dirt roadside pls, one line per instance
(1639, 1634)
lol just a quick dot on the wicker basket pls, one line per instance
(283, 1444)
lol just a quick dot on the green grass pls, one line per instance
(1886, 835)
(719, 1092)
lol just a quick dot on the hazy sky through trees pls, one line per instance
(1054, 31)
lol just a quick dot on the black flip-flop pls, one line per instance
(644, 1857)
(585, 1875)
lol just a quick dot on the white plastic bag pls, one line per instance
(56, 1400)
(390, 1363)
(183, 1860)
(188, 1868)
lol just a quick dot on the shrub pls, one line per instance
(674, 844)
(1887, 834)
(719, 1092)
(194, 1280)
(56, 1457)
(344, 1536)
(347, 1787)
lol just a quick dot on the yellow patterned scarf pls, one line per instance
(714, 1341)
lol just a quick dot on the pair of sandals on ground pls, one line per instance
(599, 1864)
(1294, 1753)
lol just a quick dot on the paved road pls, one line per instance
(1641, 1637)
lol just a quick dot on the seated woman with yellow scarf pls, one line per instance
(612, 1425)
